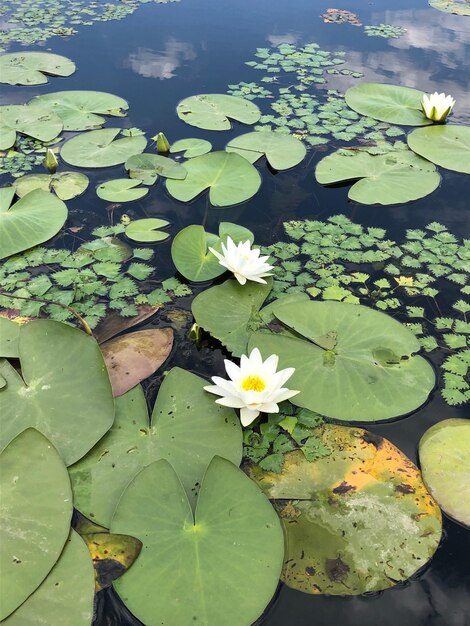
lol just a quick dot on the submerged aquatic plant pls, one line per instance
(254, 387)
(437, 106)
(245, 262)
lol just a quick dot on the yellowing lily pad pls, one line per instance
(214, 111)
(357, 521)
(112, 555)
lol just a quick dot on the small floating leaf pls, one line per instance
(121, 190)
(282, 151)
(147, 230)
(191, 147)
(100, 148)
(214, 111)
(445, 145)
(148, 167)
(30, 68)
(66, 185)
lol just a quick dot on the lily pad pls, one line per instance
(30, 543)
(282, 151)
(66, 595)
(191, 147)
(339, 346)
(444, 454)
(357, 521)
(82, 110)
(148, 167)
(393, 178)
(230, 178)
(232, 548)
(447, 146)
(35, 122)
(62, 368)
(100, 148)
(186, 427)
(191, 255)
(9, 335)
(388, 103)
(121, 190)
(147, 230)
(114, 323)
(33, 219)
(31, 68)
(214, 111)
(66, 185)
(459, 7)
(230, 312)
(136, 356)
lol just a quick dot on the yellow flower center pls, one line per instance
(253, 383)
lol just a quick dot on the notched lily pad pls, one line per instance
(446, 145)
(357, 521)
(32, 68)
(101, 148)
(282, 151)
(148, 167)
(66, 185)
(191, 147)
(214, 111)
(147, 230)
(34, 122)
(121, 190)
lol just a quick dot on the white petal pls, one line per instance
(232, 369)
(247, 416)
(231, 401)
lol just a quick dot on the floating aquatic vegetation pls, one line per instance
(385, 30)
(191, 147)
(101, 148)
(447, 146)
(281, 151)
(65, 185)
(31, 220)
(214, 111)
(32, 68)
(340, 16)
(357, 520)
(437, 106)
(26, 154)
(37, 123)
(148, 167)
(187, 428)
(231, 511)
(147, 230)
(459, 7)
(445, 464)
(121, 190)
(393, 178)
(9, 335)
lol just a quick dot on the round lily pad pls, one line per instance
(459, 7)
(82, 110)
(121, 190)
(33, 219)
(148, 167)
(356, 521)
(191, 255)
(388, 103)
(214, 111)
(230, 178)
(282, 151)
(31, 68)
(444, 454)
(191, 147)
(66, 185)
(38, 123)
(36, 509)
(446, 145)
(393, 178)
(62, 368)
(66, 596)
(220, 565)
(100, 148)
(147, 230)
(186, 427)
(351, 363)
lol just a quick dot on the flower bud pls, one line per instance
(163, 144)
(50, 161)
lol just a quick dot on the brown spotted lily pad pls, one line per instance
(114, 323)
(112, 556)
(359, 520)
(136, 356)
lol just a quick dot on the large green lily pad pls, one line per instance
(459, 7)
(190, 250)
(219, 566)
(33, 219)
(82, 110)
(35, 122)
(66, 185)
(230, 178)
(359, 520)
(444, 454)
(351, 363)
(31, 68)
(100, 148)
(9, 335)
(191, 147)
(186, 427)
(230, 312)
(36, 509)
(388, 103)
(62, 370)
(393, 178)
(445, 145)
(282, 151)
(148, 167)
(214, 111)
(121, 190)
(66, 595)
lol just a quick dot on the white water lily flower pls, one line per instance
(255, 387)
(437, 106)
(245, 262)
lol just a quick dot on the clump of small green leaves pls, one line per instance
(385, 30)
(24, 156)
(291, 429)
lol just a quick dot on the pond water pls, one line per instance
(163, 53)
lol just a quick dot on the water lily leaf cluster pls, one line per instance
(33, 68)
(388, 31)
(65, 185)
(358, 520)
(24, 155)
(445, 464)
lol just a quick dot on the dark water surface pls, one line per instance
(163, 53)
